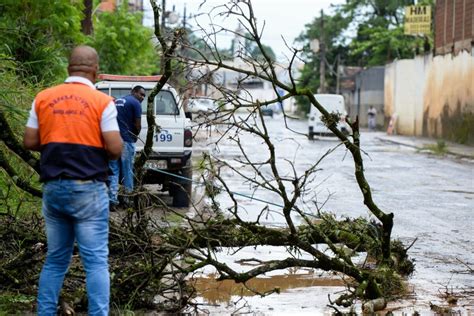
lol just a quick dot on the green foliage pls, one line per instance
(15, 304)
(124, 44)
(379, 45)
(334, 39)
(439, 149)
(257, 54)
(13, 200)
(254, 51)
(16, 96)
(333, 35)
(458, 125)
(37, 34)
(463, 132)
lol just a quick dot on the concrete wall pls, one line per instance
(403, 93)
(448, 106)
(432, 96)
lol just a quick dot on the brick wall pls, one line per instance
(454, 30)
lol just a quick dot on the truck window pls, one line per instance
(165, 104)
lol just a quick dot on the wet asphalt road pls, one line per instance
(431, 197)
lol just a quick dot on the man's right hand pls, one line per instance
(113, 144)
(31, 139)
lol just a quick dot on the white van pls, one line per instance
(332, 103)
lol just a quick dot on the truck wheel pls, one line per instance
(180, 198)
(188, 186)
(182, 193)
(172, 189)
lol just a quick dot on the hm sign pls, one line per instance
(417, 20)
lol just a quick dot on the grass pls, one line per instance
(16, 96)
(13, 200)
(16, 304)
(439, 149)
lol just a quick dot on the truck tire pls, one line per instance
(182, 192)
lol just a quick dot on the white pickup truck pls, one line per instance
(170, 162)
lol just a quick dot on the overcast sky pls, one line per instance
(285, 18)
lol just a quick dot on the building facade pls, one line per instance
(453, 26)
(111, 5)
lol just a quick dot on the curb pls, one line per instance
(397, 142)
(448, 151)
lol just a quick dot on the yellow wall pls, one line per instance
(431, 96)
(449, 89)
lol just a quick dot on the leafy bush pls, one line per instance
(16, 96)
(124, 45)
(37, 34)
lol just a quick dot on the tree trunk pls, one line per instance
(86, 23)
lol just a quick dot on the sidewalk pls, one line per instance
(422, 143)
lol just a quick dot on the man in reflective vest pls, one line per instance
(75, 128)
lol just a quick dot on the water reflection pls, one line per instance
(218, 292)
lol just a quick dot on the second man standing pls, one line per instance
(129, 113)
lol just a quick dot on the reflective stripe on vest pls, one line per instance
(69, 117)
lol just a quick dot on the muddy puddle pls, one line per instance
(308, 293)
(221, 292)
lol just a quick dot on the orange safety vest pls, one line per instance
(72, 146)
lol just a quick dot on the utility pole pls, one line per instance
(184, 17)
(322, 62)
(163, 17)
(337, 73)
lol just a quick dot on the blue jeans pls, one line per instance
(124, 164)
(75, 210)
(114, 166)
(127, 160)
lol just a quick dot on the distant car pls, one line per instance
(201, 105)
(332, 103)
(267, 110)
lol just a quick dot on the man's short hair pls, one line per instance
(137, 88)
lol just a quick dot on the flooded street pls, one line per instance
(431, 197)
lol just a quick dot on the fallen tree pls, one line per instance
(149, 265)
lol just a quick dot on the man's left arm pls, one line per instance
(138, 117)
(31, 139)
(110, 132)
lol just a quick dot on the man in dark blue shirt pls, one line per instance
(129, 113)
